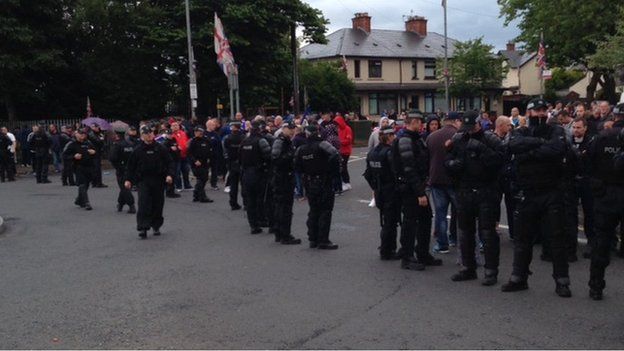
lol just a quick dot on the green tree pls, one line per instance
(571, 30)
(473, 69)
(610, 52)
(31, 50)
(328, 87)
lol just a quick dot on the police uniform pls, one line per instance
(98, 140)
(254, 155)
(67, 175)
(319, 163)
(379, 175)
(120, 153)
(148, 167)
(538, 151)
(5, 157)
(283, 185)
(39, 144)
(474, 162)
(200, 149)
(268, 202)
(231, 146)
(411, 161)
(606, 155)
(84, 167)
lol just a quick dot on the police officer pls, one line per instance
(39, 143)
(319, 164)
(381, 179)
(5, 156)
(474, 161)
(82, 154)
(171, 144)
(283, 184)
(200, 155)
(606, 154)
(268, 202)
(120, 154)
(231, 147)
(411, 162)
(98, 139)
(538, 151)
(255, 155)
(149, 167)
(67, 175)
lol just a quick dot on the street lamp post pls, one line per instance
(191, 60)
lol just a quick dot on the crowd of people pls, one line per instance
(541, 165)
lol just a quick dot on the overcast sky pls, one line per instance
(467, 19)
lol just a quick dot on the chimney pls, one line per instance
(416, 24)
(362, 21)
(511, 46)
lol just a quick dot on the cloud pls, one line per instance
(467, 19)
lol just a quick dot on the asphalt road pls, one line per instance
(76, 279)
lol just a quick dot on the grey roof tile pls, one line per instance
(379, 43)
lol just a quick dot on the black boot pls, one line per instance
(132, 209)
(88, 207)
(464, 274)
(256, 230)
(410, 263)
(563, 290)
(512, 286)
(490, 277)
(236, 207)
(327, 246)
(431, 261)
(291, 240)
(143, 234)
(119, 207)
(595, 294)
(156, 231)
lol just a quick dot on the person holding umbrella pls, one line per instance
(150, 167)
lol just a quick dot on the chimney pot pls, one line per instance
(362, 21)
(416, 24)
(511, 46)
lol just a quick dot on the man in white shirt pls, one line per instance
(11, 166)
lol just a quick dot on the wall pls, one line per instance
(530, 83)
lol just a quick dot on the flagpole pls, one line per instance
(192, 78)
(446, 73)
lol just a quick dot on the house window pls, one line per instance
(429, 102)
(374, 69)
(413, 105)
(430, 69)
(357, 68)
(414, 70)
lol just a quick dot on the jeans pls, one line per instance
(57, 160)
(184, 169)
(298, 185)
(443, 196)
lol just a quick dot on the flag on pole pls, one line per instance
(225, 59)
(89, 109)
(541, 57)
(344, 63)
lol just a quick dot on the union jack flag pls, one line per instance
(541, 55)
(225, 59)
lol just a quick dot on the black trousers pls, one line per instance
(479, 206)
(390, 214)
(536, 210)
(125, 196)
(97, 175)
(344, 170)
(609, 207)
(67, 176)
(321, 201)
(12, 165)
(201, 175)
(584, 193)
(234, 181)
(151, 203)
(84, 177)
(254, 184)
(41, 164)
(268, 206)
(415, 226)
(283, 199)
(214, 172)
(4, 166)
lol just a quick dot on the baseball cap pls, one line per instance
(537, 103)
(146, 130)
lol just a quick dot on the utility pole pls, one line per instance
(191, 61)
(294, 51)
(446, 72)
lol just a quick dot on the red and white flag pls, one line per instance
(225, 59)
(89, 109)
(541, 55)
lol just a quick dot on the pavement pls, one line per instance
(73, 279)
